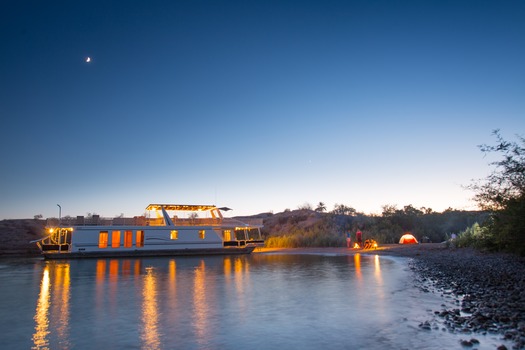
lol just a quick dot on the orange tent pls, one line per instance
(407, 238)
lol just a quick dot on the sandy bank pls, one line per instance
(407, 250)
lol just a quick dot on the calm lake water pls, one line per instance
(259, 301)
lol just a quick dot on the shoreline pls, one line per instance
(489, 288)
(405, 250)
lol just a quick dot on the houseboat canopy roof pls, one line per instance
(183, 207)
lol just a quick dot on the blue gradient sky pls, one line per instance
(256, 105)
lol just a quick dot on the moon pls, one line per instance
(88, 59)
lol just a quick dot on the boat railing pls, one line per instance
(96, 220)
(185, 221)
(197, 221)
(248, 222)
(134, 221)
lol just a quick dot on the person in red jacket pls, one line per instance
(359, 238)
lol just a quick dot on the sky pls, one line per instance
(260, 106)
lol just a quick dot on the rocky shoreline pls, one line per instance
(489, 290)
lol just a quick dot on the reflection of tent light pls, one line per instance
(407, 238)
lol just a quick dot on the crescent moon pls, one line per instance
(88, 59)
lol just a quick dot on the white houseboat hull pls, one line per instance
(149, 253)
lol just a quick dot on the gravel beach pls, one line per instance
(490, 291)
(488, 288)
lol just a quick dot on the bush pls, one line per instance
(305, 238)
(476, 236)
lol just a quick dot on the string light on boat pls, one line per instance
(52, 230)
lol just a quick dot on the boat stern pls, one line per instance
(57, 241)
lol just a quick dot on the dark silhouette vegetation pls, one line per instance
(502, 195)
(311, 228)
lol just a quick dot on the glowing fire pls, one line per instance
(356, 246)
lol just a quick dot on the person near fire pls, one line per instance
(348, 240)
(359, 238)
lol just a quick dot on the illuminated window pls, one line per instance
(201, 234)
(103, 239)
(227, 235)
(128, 239)
(115, 239)
(174, 234)
(140, 239)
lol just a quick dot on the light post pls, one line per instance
(59, 214)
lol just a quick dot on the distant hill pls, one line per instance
(288, 221)
(15, 236)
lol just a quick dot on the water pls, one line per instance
(259, 301)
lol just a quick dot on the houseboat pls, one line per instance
(201, 229)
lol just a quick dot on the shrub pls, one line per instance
(476, 236)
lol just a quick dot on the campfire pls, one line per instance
(368, 244)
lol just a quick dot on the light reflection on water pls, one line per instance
(259, 301)
(53, 300)
(201, 305)
(42, 311)
(150, 317)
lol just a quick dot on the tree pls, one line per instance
(305, 206)
(341, 209)
(389, 210)
(321, 207)
(507, 181)
(502, 193)
(411, 211)
(426, 210)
